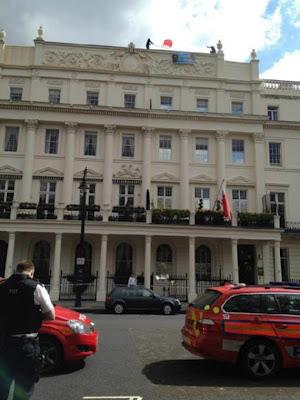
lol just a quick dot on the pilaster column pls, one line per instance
(101, 292)
(221, 156)
(277, 261)
(268, 274)
(146, 177)
(69, 162)
(107, 170)
(235, 264)
(192, 274)
(147, 271)
(10, 254)
(54, 288)
(184, 169)
(259, 145)
(31, 126)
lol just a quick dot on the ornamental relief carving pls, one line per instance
(128, 172)
(121, 60)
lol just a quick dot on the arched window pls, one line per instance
(3, 253)
(164, 260)
(123, 263)
(88, 253)
(41, 260)
(203, 263)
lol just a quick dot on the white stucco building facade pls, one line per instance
(176, 125)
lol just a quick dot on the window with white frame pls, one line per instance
(238, 151)
(166, 102)
(90, 143)
(275, 153)
(54, 96)
(277, 204)
(201, 150)
(164, 196)
(126, 195)
(92, 98)
(165, 148)
(11, 138)
(237, 107)
(239, 200)
(16, 93)
(128, 146)
(273, 113)
(202, 105)
(51, 141)
(204, 195)
(90, 194)
(129, 100)
(47, 192)
(7, 190)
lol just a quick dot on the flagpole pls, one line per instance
(223, 180)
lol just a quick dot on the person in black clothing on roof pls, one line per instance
(24, 304)
(148, 43)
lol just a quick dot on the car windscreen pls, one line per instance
(206, 299)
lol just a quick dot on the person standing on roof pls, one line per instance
(148, 43)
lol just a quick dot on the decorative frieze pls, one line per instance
(122, 60)
(128, 172)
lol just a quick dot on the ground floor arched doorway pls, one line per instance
(123, 263)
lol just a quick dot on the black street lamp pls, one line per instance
(80, 264)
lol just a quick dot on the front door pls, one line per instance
(246, 261)
(3, 253)
(123, 263)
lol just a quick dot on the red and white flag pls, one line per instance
(224, 200)
(168, 43)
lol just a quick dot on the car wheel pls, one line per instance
(260, 359)
(119, 308)
(167, 309)
(53, 355)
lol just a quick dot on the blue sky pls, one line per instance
(271, 27)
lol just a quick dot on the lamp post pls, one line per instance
(80, 265)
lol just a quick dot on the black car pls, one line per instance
(123, 299)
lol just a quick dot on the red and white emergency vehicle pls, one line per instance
(258, 326)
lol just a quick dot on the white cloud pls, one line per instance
(287, 68)
(292, 9)
(194, 24)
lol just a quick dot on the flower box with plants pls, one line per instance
(210, 217)
(170, 216)
(255, 220)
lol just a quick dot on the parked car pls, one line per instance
(70, 337)
(256, 326)
(122, 299)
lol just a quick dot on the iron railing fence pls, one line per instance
(67, 288)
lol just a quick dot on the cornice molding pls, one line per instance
(135, 113)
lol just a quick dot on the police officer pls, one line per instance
(24, 304)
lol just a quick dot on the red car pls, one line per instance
(70, 337)
(257, 326)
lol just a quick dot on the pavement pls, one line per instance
(95, 306)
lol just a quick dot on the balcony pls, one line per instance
(128, 214)
(36, 211)
(170, 216)
(72, 212)
(253, 220)
(292, 227)
(210, 217)
(285, 87)
(5, 209)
